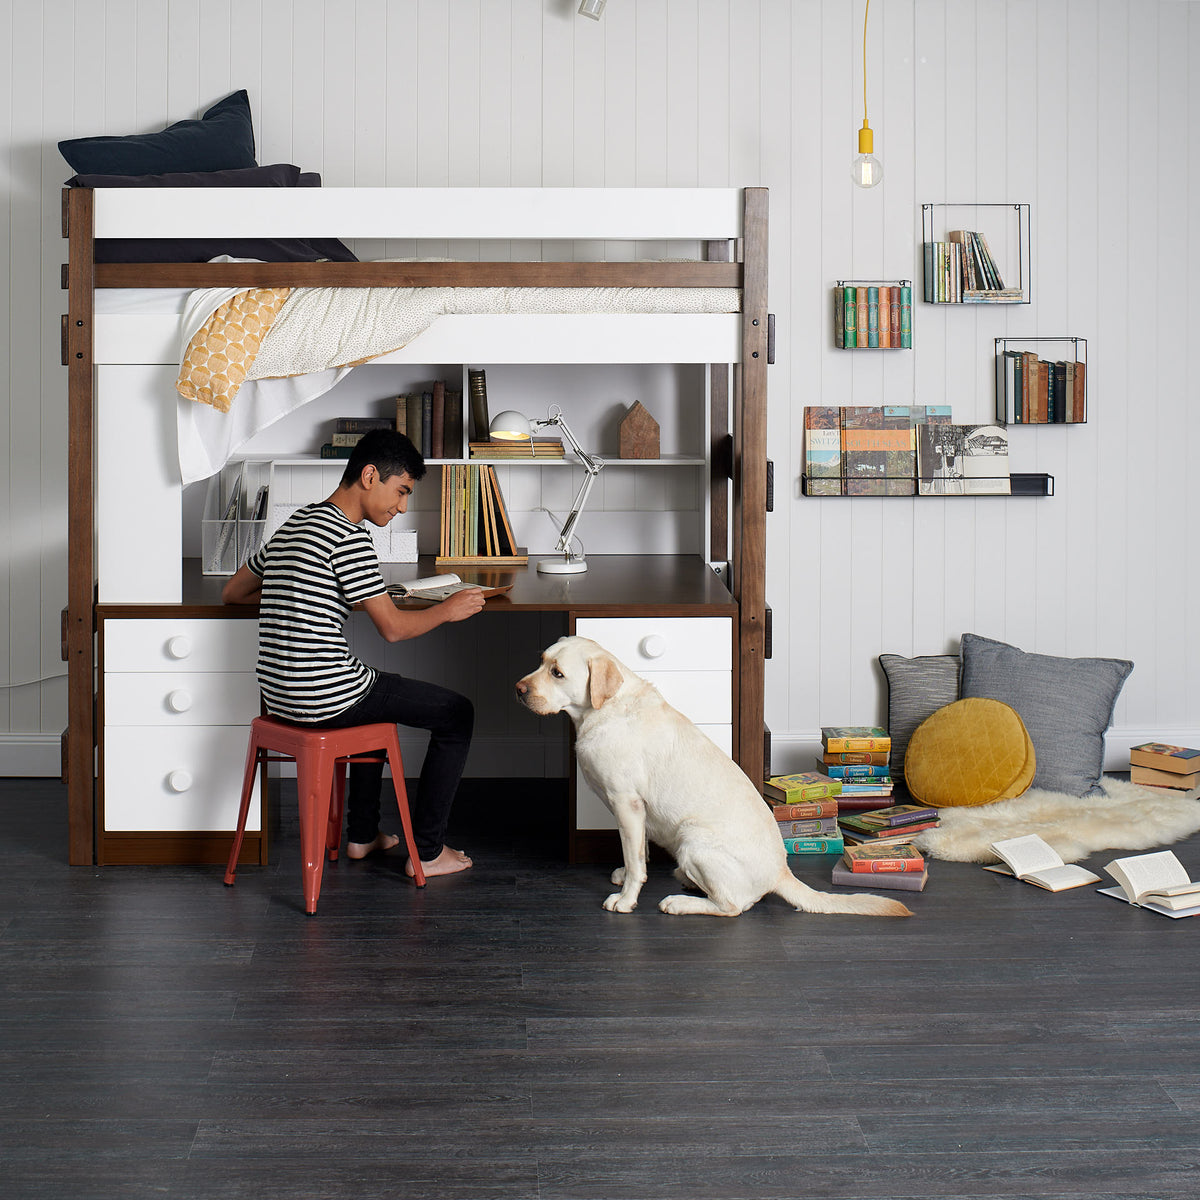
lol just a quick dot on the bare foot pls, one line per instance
(449, 862)
(382, 841)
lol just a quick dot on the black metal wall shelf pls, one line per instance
(1055, 395)
(881, 307)
(937, 217)
(1035, 483)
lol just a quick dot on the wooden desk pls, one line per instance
(178, 688)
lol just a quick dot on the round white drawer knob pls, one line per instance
(179, 646)
(180, 780)
(180, 700)
(654, 645)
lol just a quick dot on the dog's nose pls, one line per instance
(522, 687)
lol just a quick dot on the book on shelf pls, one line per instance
(1157, 881)
(804, 785)
(542, 447)
(361, 425)
(401, 403)
(475, 526)
(898, 815)
(1176, 760)
(416, 419)
(452, 429)
(814, 827)
(329, 450)
(845, 316)
(1034, 391)
(962, 460)
(908, 881)
(481, 427)
(802, 809)
(847, 772)
(837, 758)
(437, 430)
(439, 587)
(864, 450)
(890, 859)
(814, 845)
(426, 444)
(823, 450)
(345, 439)
(1033, 860)
(1150, 777)
(843, 738)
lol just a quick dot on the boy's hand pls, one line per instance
(462, 605)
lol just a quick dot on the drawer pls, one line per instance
(184, 779)
(664, 643)
(181, 644)
(180, 698)
(592, 813)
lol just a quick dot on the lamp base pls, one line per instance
(562, 566)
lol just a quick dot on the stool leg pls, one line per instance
(314, 785)
(337, 807)
(397, 765)
(244, 809)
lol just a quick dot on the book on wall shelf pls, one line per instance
(964, 266)
(887, 308)
(962, 460)
(1157, 881)
(1032, 390)
(1033, 860)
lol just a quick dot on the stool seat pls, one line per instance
(321, 756)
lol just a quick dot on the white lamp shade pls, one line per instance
(511, 426)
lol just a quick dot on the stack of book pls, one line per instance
(475, 527)
(805, 808)
(857, 756)
(432, 420)
(961, 270)
(538, 447)
(898, 866)
(348, 431)
(1155, 764)
(881, 826)
(1034, 391)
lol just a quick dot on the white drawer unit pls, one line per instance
(179, 694)
(689, 660)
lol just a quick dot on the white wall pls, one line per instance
(1083, 108)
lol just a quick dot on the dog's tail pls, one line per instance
(800, 895)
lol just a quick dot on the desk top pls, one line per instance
(614, 584)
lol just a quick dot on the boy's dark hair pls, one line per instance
(389, 452)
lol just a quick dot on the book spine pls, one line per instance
(864, 319)
(437, 436)
(345, 439)
(807, 845)
(330, 451)
(833, 757)
(930, 281)
(886, 866)
(885, 318)
(452, 436)
(360, 425)
(804, 810)
(822, 827)
(480, 422)
(850, 317)
(427, 424)
(905, 311)
(840, 745)
(1079, 395)
(845, 771)
(872, 316)
(402, 414)
(807, 791)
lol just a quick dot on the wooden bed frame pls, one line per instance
(730, 223)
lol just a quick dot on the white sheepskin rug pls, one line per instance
(1125, 817)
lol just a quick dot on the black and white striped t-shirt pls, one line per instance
(316, 567)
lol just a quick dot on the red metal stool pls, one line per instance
(321, 756)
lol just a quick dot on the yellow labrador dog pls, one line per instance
(665, 780)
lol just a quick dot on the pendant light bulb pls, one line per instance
(866, 170)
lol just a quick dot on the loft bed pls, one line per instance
(134, 454)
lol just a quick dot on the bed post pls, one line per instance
(750, 489)
(78, 221)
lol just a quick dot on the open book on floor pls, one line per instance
(1156, 881)
(438, 587)
(1032, 860)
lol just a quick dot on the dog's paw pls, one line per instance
(617, 878)
(619, 902)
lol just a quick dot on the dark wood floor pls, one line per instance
(499, 1035)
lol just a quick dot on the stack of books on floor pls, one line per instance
(896, 824)
(805, 808)
(1155, 764)
(898, 866)
(857, 757)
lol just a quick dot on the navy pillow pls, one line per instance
(221, 140)
(184, 250)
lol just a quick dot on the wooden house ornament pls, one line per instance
(639, 433)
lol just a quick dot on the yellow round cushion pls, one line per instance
(968, 753)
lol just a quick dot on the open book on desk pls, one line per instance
(1032, 860)
(1156, 881)
(438, 587)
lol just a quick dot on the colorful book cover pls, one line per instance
(872, 316)
(806, 845)
(846, 772)
(864, 449)
(842, 757)
(869, 859)
(962, 460)
(823, 451)
(838, 738)
(902, 881)
(806, 785)
(818, 827)
(803, 809)
(1163, 757)
(849, 303)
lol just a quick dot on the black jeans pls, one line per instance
(450, 719)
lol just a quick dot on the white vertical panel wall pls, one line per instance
(1086, 109)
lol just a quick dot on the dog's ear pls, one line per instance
(604, 680)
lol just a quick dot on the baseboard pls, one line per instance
(30, 755)
(800, 751)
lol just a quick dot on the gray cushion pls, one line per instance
(917, 688)
(1066, 704)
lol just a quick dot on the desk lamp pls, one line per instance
(512, 426)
